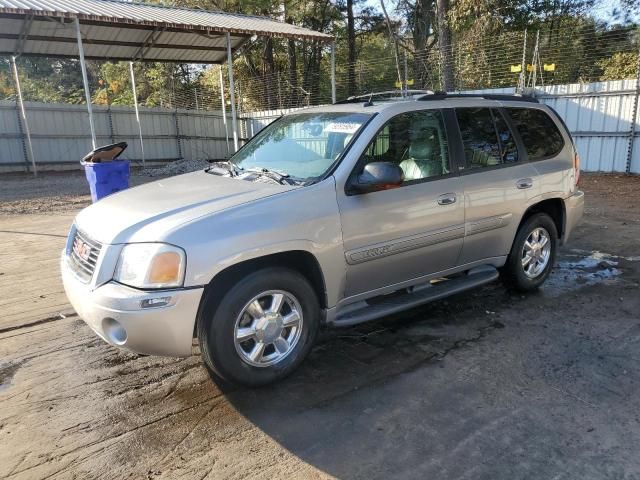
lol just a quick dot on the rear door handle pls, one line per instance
(447, 199)
(524, 183)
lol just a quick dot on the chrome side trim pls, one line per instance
(404, 244)
(488, 223)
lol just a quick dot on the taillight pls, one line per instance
(576, 166)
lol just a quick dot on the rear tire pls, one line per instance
(532, 255)
(262, 328)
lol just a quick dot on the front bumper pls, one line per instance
(574, 209)
(114, 312)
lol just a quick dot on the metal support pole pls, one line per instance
(232, 95)
(135, 103)
(85, 81)
(634, 119)
(110, 120)
(405, 82)
(24, 121)
(178, 142)
(523, 68)
(333, 72)
(224, 112)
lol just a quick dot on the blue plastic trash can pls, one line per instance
(106, 178)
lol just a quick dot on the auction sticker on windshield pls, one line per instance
(342, 127)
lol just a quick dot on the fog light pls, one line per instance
(155, 302)
(114, 332)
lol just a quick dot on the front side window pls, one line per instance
(486, 137)
(416, 142)
(539, 133)
(303, 146)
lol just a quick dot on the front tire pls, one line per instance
(532, 255)
(261, 329)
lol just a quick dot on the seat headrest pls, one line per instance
(423, 142)
(421, 149)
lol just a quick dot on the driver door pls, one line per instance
(393, 237)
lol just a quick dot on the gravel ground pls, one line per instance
(60, 192)
(484, 385)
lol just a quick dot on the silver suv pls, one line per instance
(332, 215)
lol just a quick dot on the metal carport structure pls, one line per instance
(114, 30)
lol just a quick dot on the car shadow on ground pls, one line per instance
(393, 398)
(324, 413)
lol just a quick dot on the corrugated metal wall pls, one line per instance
(599, 116)
(60, 133)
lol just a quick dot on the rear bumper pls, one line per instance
(574, 209)
(114, 313)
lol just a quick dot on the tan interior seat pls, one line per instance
(423, 162)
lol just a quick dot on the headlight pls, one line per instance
(151, 265)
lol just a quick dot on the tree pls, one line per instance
(351, 48)
(444, 45)
(451, 44)
(419, 15)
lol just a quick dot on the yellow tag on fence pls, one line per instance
(549, 67)
(516, 68)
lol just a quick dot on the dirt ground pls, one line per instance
(51, 192)
(485, 385)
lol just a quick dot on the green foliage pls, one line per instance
(486, 36)
(620, 65)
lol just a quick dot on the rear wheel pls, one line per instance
(262, 329)
(533, 253)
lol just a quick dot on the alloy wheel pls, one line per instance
(268, 328)
(536, 252)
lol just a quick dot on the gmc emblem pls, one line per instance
(81, 249)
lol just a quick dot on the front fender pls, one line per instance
(305, 219)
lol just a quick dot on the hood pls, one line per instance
(151, 211)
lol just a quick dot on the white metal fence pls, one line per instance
(60, 134)
(603, 118)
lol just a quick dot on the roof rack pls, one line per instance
(389, 94)
(486, 96)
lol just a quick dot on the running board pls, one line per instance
(364, 312)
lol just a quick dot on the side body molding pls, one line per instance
(404, 244)
(488, 223)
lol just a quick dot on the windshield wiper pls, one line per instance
(230, 168)
(281, 178)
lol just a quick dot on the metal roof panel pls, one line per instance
(122, 13)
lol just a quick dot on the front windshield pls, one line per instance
(303, 146)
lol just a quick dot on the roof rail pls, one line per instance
(486, 96)
(389, 94)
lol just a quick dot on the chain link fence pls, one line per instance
(527, 59)
(523, 59)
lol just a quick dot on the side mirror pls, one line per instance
(378, 176)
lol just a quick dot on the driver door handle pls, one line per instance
(447, 199)
(524, 183)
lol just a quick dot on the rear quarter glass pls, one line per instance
(539, 133)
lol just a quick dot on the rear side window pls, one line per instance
(486, 138)
(538, 131)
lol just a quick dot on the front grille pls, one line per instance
(84, 255)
